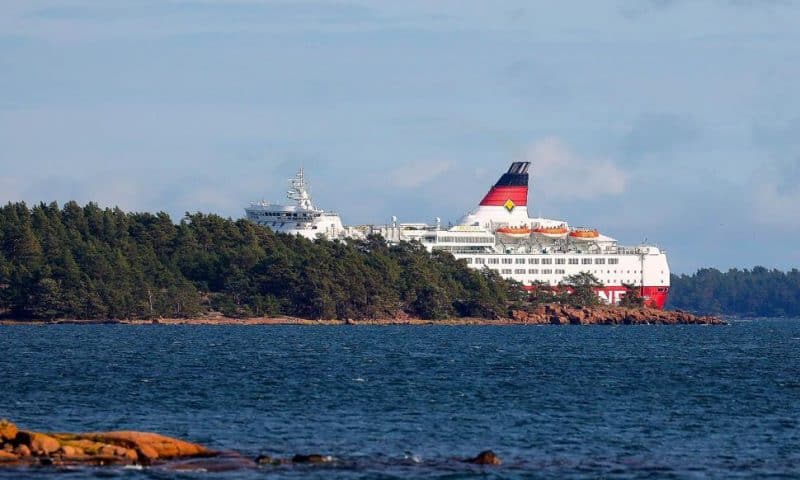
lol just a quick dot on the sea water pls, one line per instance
(551, 401)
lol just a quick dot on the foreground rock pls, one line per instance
(554, 314)
(94, 448)
(22, 448)
(487, 457)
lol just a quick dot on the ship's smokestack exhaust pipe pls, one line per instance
(511, 189)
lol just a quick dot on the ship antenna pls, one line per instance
(298, 191)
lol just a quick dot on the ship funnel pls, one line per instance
(506, 204)
(511, 189)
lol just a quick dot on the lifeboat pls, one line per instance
(551, 233)
(584, 234)
(514, 232)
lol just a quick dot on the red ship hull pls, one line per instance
(654, 297)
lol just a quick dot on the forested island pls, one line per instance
(756, 292)
(87, 262)
(92, 263)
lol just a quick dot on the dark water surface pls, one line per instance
(630, 402)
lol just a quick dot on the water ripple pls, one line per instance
(630, 402)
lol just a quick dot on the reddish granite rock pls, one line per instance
(556, 314)
(69, 451)
(40, 444)
(8, 457)
(313, 458)
(8, 431)
(22, 451)
(487, 457)
(151, 445)
(98, 448)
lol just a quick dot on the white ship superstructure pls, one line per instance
(499, 235)
(300, 218)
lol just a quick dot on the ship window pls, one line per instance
(547, 261)
(533, 261)
(547, 271)
(522, 260)
(613, 261)
(468, 260)
(506, 271)
(599, 261)
(560, 271)
(479, 260)
(533, 271)
(573, 261)
(519, 271)
(507, 261)
(586, 261)
(494, 260)
(561, 261)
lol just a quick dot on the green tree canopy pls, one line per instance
(88, 262)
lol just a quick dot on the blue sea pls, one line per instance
(400, 402)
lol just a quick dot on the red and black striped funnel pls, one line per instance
(512, 188)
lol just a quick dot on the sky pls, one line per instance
(671, 121)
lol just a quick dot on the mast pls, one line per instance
(298, 191)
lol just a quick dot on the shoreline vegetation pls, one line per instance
(59, 264)
(756, 292)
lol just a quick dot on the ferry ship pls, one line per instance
(300, 217)
(498, 234)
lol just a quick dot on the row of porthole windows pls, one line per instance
(533, 271)
(543, 261)
(557, 271)
(460, 239)
(286, 215)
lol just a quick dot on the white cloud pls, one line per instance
(776, 208)
(558, 172)
(415, 174)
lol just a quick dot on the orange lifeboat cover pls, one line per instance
(584, 233)
(550, 230)
(514, 230)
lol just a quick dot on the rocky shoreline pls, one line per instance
(547, 314)
(554, 314)
(23, 448)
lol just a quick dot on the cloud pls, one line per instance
(775, 185)
(632, 10)
(658, 133)
(776, 207)
(136, 193)
(778, 136)
(565, 174)
(415, 174)
(535, 83)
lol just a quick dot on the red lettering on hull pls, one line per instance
(654, 297)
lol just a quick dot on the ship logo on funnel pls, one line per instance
(509, 205)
